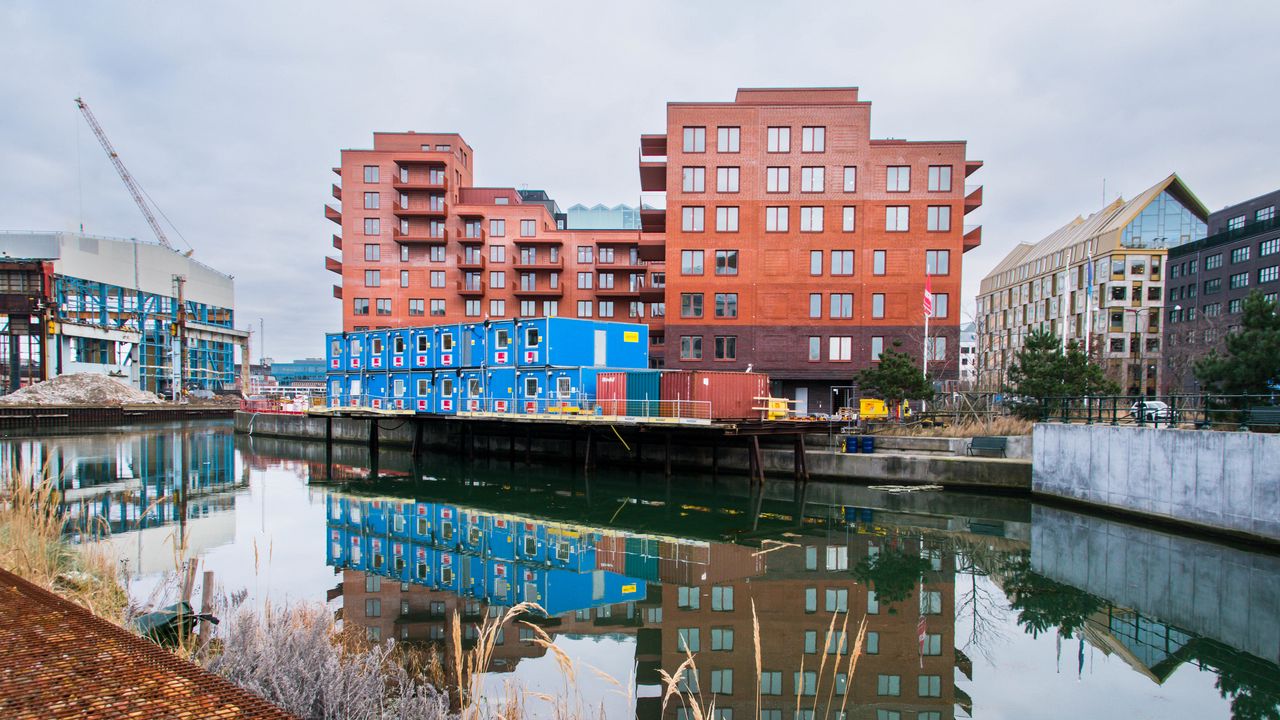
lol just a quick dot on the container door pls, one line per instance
(802, 401)
(601, 342)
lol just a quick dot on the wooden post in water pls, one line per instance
(758, 460)
(586, 456)
(801, 468)
(328, 448)
(206, 606)
(373, 437)
(417, 438)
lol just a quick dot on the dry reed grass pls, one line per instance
(1007, 425)
(33, 545)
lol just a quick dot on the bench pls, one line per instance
(1265, 416)
(990, 444)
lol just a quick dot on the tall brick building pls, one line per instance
(780, 234)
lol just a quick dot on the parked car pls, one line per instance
(1152, 411)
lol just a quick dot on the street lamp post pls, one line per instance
(1142, 361)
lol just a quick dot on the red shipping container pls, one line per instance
(676, 389)
(611, 392)
(731, 395)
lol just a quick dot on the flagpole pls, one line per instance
(1088, 303)
(928, 311)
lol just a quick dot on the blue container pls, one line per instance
(377, 391)
(376, 517)
(644, 389)
(500, 387)
(375, 351)
(531, 391)
(378, 560)
(423, 391)
(357, 550)
(499, 588)
(851, 443)
(446, 392)
(335, 347)
(585, 343)
(868, 444)
(401, 556)
(401, 391)
(501, 343)
(337, 391)
(531, 543)
(472, 340)
(471, 393)
(353, 513)
(445, 353)
(422, 516)
(354, 355)
(400, 518)
(421, 340)
(446, 528)
(420, 567)
(564, 549)
(501, 542)
(471, 526)
(473, 572)
(335, 554)
(354, 393)
(448, 571)
(398, 346)
(333, 509)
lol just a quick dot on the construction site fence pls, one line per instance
(1202, 411)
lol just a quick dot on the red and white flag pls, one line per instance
(928, 298)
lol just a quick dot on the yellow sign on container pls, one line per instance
(628, 589)
(630, 336)
(872, 409)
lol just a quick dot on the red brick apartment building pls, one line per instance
(775, 231)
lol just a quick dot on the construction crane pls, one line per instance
(134, 189)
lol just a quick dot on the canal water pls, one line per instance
(975, 606)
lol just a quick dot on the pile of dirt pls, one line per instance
(80, 389)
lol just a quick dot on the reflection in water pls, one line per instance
(974, 605)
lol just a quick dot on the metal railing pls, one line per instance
(567, 407)
(1204, 411)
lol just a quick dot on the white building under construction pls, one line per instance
(73, 303)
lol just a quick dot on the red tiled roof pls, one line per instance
(61, 661)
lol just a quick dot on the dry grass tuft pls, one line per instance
(1005, 425)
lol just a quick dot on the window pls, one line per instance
(606, 281)
(472, 308)
(360, 306)
(898, 178)
(813, 139)
(770, 682)
(372, 226)
(1235, 223)
(690, 347)
(936, 348)
(722, 598)
(437, 307)
(775, 219)
(840, 349)
(722, 639)
(811, 219)
(437, 253)
(528, 308)
(694, 179)
(372, 278)
(727, 179)
(687, 640)
(1269, 274)
(584, 280)
(889, 685)
(872, 643)
(849, 218)
(931, 602)
(1212, 286)
(936, 262)
(1213, 261)
(417, 307)
(1240, 255)
(851, 179)
(877, 305)
(877, 347)
(584, 308)
(837, 600)
(727, 262)
(404, 278)
(727, 139)
(815, 300)
(939, 218)
(726, 219)
(371, 200)
(372, 252)
(930, 686)
(939, 178)
(877, 262)
(837, 557)
(695, 139)
(895, 218)
(722, 683)
(873, 603)
(1269, 247)
(497, 228)
(498, 253)
(941, 303)
(777, 180)
(497, 279)
(812, 179)
(815, 262)
(371, 173)
(1239, 280)
(585, 254)
(779, 139)
(691, 262)
(528, 228)
(690, 305)
(726, 305)
(497, 308)
(373, 607)
(841, 262)
(437, 278)
(692, 218)
(810, 642)
(815, 345)
(1265, 213)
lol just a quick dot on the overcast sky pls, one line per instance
(231, 114)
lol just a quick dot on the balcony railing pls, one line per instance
(471, 262)
(470, 287)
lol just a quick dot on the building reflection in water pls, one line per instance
(141, 488)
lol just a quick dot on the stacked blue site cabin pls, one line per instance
(523, 366)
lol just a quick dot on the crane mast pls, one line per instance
(129, 182)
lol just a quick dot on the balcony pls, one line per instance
(475, 237)
(539, 265)
(653, 220)
(653, 249)
(623, 267)
(621, 291)
(337, 242)
(653, 163)
(476, 262)
(337, 192)
(421, 184)
(333, 265)
(972, 237)
(405, 239)
(972, 198)
(538, 240)
(424, 157)
(653, 294)
(337, 171)
(538, 292)
(332, 214)
(441, 210)
(470, 288)
(337, 291)
(971, 167)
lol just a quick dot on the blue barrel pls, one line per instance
(868, 444)
(851, 444)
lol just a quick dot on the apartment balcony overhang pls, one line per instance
(653, 220)
(971, 167)
(972, 198)
(337, 291)
(332, 214)
(475, 263)
(539, 240)
(473, 289)
(406, 239)
(426, 157)
(333, 265)
(544, 265)
(474, 238)
(540, 292)
(653, 249)
(618, 241)
(337, 242)
(653, 294)
(622, 268)
(441, 210)
(972, 237)
(399, 184)
(337, 192)
(624, 291)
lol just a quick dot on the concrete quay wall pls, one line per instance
(1220, 481)
(648, 449)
